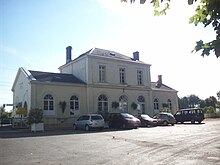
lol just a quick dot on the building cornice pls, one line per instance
(119, 86)
(57, 83)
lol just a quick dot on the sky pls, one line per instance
(35, 34)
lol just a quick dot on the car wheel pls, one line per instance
(87, 128)
(193, 121)
(165, 123)
(199, 122)
(74, 127)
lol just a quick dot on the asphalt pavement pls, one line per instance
(181, 144)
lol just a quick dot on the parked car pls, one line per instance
(146, 120)
(123, 121)
(164, 118)
(89, 121)
(190, 114)
(6, 121)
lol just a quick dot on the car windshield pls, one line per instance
(97, 117)
(145, 117)
(127, 116)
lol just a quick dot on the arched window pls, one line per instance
(169, 104)
(48, 103)
(156, 104)
(123, 103)
(102, 104)
(141, 104)
(141, 99)
(74, 104)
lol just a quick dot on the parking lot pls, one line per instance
(171, 145)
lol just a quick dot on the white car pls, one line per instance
(89, 121)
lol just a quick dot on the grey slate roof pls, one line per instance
(107, 53)
(55, 77)
(154, 86)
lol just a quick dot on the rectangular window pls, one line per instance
(102, 73)
(122, 75)
(139, 77)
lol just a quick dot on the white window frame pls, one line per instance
(140, 77)
(49, 108)
(122, 75)
(123, 103)
(102, 73)
(141, 104)
(156, 104)
(74, 105)
(102, 103)
(169, 104)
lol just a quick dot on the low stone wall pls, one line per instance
(53, 123)
(212, 115)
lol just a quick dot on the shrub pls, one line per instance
(134, 105)
(166, 110)
(209, 109)
(35, 116)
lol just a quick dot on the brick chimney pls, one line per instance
(136, 56)
(159, 81)
(68, 54)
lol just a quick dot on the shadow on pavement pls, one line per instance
(9, 132)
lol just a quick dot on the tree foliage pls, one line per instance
(211, 101)
(193, 101)
(189, 102)
(207, 13)
(183, 103)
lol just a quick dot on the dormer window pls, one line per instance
(112, 54)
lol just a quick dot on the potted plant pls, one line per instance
(115, 104)
(62, 106)
(35, 118)
(134, 105)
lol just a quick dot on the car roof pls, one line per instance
(120, 113)
(92, 114)
(188, 109)
(166, 113)
(145, 115)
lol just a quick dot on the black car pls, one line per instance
(191, 114)
(165, 119)
(123, 121)
(146, 120)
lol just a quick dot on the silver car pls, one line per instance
(89, 121)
